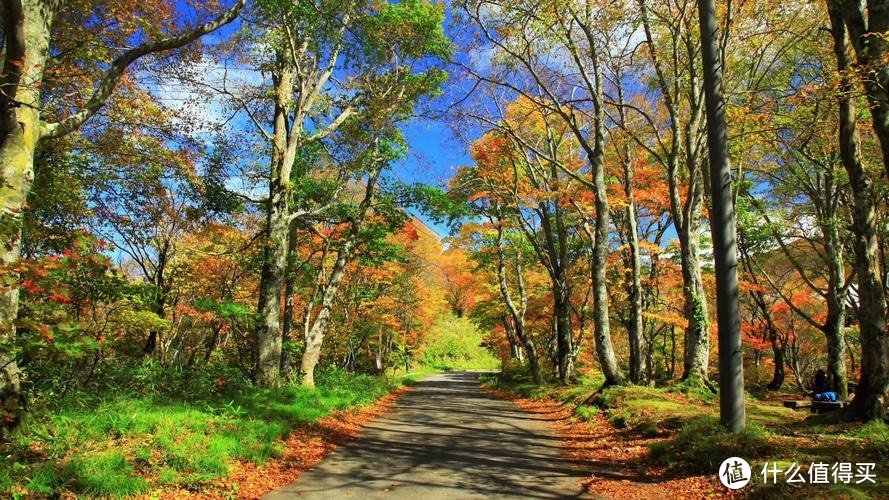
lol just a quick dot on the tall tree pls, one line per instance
(307, 48)
(866, 25)
(871, 395)
(630, 234)
(722, 226)
(516, 311)
(376, 158)
(529, 187)
(509, 247)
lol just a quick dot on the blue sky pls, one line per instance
(435, 152)
(434, 155)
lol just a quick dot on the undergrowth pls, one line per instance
(703, 443)
(682, 420)
(130, 443)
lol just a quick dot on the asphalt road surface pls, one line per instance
(445, 439)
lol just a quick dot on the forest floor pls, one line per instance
(641, 442)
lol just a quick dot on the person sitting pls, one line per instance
(821, 390)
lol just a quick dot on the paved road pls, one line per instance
(444, 439)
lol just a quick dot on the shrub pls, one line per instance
(620, 419)
(586, 412)
(127, 442)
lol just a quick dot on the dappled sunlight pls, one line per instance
(446, 438)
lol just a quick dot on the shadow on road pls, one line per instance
(446, 439)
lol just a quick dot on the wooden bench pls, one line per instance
(798, 404)
(815, 406)
(826, 406)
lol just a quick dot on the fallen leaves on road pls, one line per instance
(305, 446)
(618, 461)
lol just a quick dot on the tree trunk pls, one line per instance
(686, 217)
(159, 307)
(835, 296)
(868, 37)
(836, 314)
(267, 350)
(633, 272)
(315, 336)
(564, 348)
(638, 358)
(722, 227)
(672, 352)
(212, 341)
(696, 357)
(697, 334)
(318, 330)
(517, 313)
(836, 358)
(151, 341)
(777, 350)
(604, 347)
(287, 323)
(595, 152)
(27, 33)
(515, 349)
(778, 374)
(870, 396)
(268, 326)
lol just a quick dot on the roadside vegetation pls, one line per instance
(139, 427)
(130, 442)
(680, 429)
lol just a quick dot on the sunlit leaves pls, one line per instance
(409, 28)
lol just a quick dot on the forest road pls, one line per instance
(445, 439)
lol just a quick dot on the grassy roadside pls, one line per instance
(133, 444)
(680, 427)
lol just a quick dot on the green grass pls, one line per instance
(875, 438)
(703, 444)
(126, 445)
(106, 473)
(412, 376)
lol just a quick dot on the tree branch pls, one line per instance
(120, 65)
